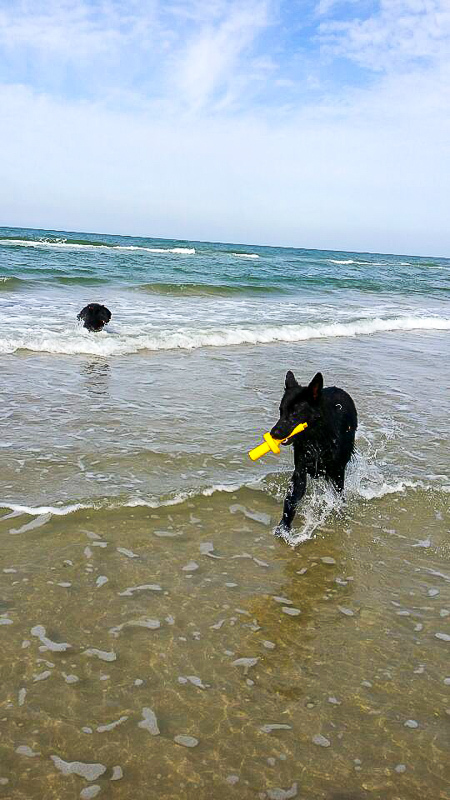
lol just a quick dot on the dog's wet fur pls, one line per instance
(325, 447)
(94, 316)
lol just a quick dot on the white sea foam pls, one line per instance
(57, 511)
(109, 344)
(45, 243)
(29, 526)
(47, 644)
(89, 772)
(358, 262)
(363, 480)
(149, 722)
(337, 261)
(137, 502)
(182, 251)
(181, 497)
(245, 255)
(103, 655)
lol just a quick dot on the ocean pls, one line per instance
(155, 633)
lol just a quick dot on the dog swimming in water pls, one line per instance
(325, 447)
(94, 316)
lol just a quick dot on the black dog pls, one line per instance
(94, 316)
(325, 447)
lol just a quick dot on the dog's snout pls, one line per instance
(278, 431)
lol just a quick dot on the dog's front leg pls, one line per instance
(297, 488)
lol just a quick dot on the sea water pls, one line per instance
(142, 588)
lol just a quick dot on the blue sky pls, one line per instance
(315, 123)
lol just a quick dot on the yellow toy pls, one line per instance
(273, 445)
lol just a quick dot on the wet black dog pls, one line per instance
(94, 316)
(325, 447)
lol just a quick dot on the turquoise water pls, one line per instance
(139, 567)
(185, 267)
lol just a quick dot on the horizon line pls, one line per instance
(240, 244)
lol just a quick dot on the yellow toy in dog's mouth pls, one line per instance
(271, 444)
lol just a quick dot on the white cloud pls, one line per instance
(210, 62)
(187, 53)
(70, 29)
(397, 35)
(349, 177)
(80, 48)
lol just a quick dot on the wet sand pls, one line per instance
(315, 672)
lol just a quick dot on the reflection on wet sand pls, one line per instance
(185, 652)
(96, 375)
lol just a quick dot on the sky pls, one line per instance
(308, 123)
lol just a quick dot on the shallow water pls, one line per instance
(142, 587)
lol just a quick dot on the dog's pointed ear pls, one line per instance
(290, 381)
(315, 387)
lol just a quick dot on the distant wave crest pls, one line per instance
(79, 245)
(245, 255)
(62, 243)
(182, 251)
(345, 261)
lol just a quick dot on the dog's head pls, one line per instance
(95, 316)
(298, 404)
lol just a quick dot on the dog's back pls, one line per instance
(329, 444)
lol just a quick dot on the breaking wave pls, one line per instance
(106, 343)
(364, 481)
(178, 498)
